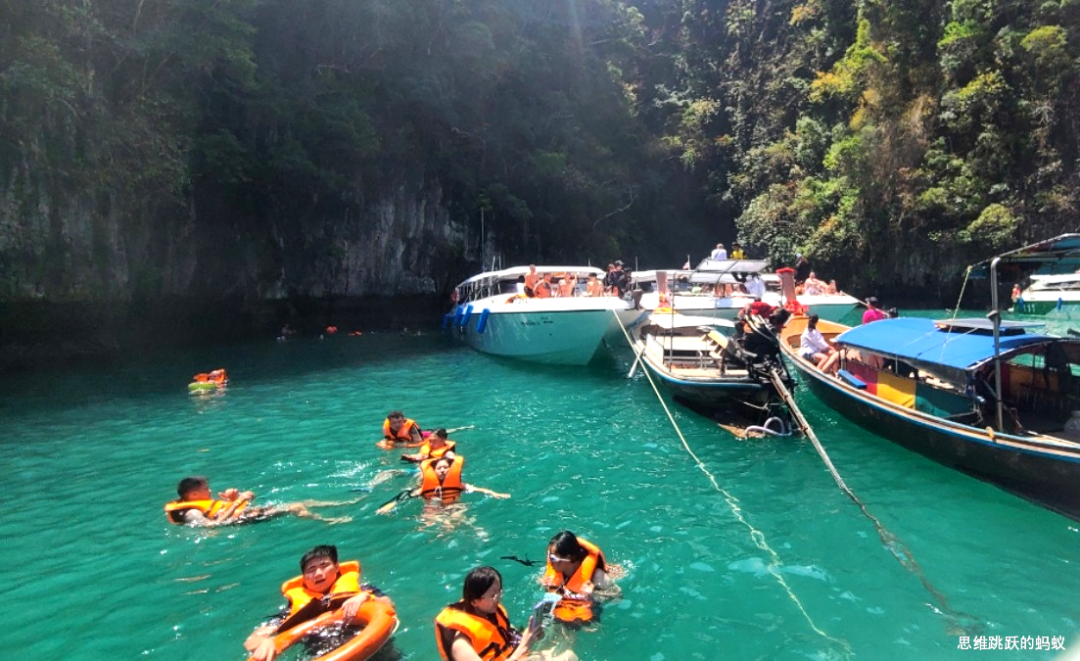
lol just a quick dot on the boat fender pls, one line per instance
(464, 321)
(446, 319)
(482, 324)
(1060, 303)
(458, 312)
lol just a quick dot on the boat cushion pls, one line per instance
(852, 379)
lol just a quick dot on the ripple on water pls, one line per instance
(582, 449)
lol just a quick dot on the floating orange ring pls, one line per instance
(379, 620)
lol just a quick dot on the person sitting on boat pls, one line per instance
(737, 251)
(478, 628)
(813, 346)
(567, 284)
(440, 480)
(531, 280)
(576, 568)
(324, 585)
(398, 429)
(832, 289)
(873, 311)
(594, 287)
(436, 446)
(545, 288)
(719, 253)
(813, 286)
(197, 507)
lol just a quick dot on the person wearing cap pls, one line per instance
(719, 253)
(873, 311)
(615, 280)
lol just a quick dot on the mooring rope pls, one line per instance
(756, 535)
(967, 276)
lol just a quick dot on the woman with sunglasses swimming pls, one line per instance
(576, 568)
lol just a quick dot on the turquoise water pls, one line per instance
(775, 564)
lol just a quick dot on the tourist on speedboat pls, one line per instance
(531, 280)
(545, 288)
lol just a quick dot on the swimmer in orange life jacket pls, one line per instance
(399, 429)
(576, 568)
(323, 586)
(197, 507)
(477, 628)
(435, 447)
(440, 479)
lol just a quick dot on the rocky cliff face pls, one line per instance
(86, 274)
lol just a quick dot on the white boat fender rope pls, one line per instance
(784, 430)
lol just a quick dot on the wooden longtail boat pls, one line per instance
(930, 387)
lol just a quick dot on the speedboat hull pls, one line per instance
(556, 337)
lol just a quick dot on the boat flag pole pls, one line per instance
(995, 318)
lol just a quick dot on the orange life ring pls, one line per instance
(379, 620)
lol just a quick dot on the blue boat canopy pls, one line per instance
(951, 344)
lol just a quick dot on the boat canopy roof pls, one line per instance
(732, 265)
(516, 272)
(1060, 254)
(947, 347)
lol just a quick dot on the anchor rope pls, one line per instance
(732, 502)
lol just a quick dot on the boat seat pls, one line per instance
(851, 379)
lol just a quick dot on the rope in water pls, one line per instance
(756, 535)
(897, 547)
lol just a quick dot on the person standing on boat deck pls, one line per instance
(813, 346)
(1015, 292)
(615, 281)
(802, 267)
(531, 278)
(545, 288)
(873, 311)
(755, 286)
(322, 578)
(719, 253)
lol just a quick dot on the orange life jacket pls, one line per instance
(492, 641)
(438, 452)
(593, 561)
(575, 607)
(403, 432)
(449, 489)
(175, 510)
(348, 582)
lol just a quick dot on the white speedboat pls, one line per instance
(493, 315)
(694, 291)
(1049, 292)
